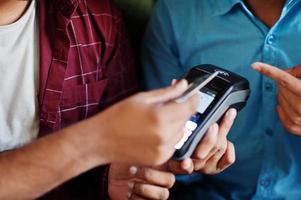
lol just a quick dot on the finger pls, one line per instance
(224, 128)
(176, 132)
(187, 165)
(156, 177)
(295, 71)
(287, 123)
(227, 122)
(290, 112)
(174, 81)
(181, 167)
(289, 96)
(210, 167)
(178, 111)
(292, 100)
(166, 94)
(228, 158)
(136, 197)
(283, 78)
(176, 115)
(150, 191)
(208, 143)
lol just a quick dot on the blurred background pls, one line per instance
(136, 14)
(137, 11)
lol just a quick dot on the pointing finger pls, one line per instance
(282, 77)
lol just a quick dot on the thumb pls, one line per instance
(295, 71)
(181, 167)
(168, 93)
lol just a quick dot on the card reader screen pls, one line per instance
(206, 97)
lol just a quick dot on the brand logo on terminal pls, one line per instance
(222, 73)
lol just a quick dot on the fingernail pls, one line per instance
(131, 186)
(181, 83)
(231, 113)
(256, 65)
(133, 170)
(187, 165)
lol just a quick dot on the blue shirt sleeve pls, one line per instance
(160, 52)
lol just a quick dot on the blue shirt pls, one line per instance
(185, 33)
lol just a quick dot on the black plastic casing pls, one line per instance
(232, 91)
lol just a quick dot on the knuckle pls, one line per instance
(297, 120)
(219, 147)
(199, 165)
(228, 124)
(164, 194)
(140, 189)
(159, 150)
(171, 181)
(156, 117)
(147, 174)
(213, 150)
(230, 145)
(159, 135)
(231, 159)
(207, 171)
(293, 129)
(298, 109)
(211, 139)
(222, 149)
(284, 79)
(158, 142)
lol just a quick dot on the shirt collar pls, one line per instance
(225, 6)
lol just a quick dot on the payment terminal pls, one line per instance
(224, 90)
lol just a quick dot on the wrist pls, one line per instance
(89, 139)
(105, 138)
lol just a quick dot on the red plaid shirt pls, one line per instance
(86, 64)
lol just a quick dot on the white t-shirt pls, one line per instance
(19, 68)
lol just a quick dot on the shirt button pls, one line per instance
(270, 39)
(268, 86)
(269, 132)
(265, 182)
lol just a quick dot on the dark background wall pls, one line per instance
(136, 14)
